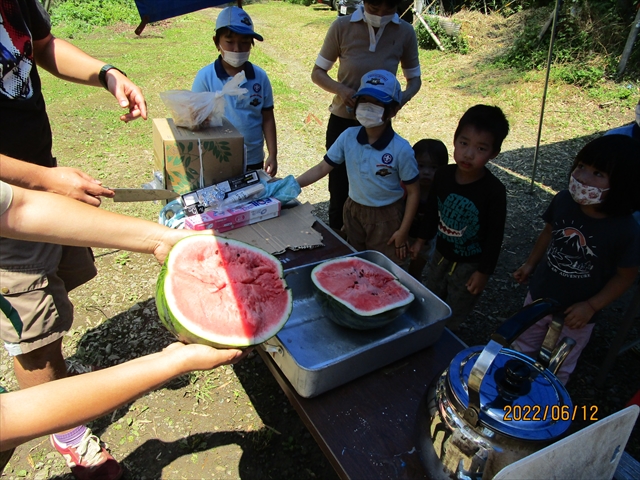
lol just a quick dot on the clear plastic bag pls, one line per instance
(195, 110)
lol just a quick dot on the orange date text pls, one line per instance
(554, 413)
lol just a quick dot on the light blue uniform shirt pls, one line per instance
(374, 171)
(244, 113)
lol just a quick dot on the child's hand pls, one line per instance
(522, 274)
(400, 240)
(414, 250)
(476, 283)
(578, 315)
(203, 357)
(271, 166)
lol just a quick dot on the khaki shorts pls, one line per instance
(370, 228)
(34, 279)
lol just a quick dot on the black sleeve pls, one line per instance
(38, 20)
(428, 228)
(495, 217)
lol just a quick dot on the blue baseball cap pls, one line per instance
(381, 85)
(236, 20)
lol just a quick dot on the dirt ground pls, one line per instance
(235, 422)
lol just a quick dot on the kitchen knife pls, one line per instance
(142, 194)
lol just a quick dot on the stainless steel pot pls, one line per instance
(493, 406)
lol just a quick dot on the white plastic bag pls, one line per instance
(196, 110)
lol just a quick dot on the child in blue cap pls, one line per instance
(377, 160)
(251, 114)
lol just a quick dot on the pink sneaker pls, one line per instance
(89, 460)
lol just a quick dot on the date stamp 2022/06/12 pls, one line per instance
(555, 413)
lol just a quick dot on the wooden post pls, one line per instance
(626, 53)
(433, 35)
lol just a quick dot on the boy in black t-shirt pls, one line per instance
(467, 209)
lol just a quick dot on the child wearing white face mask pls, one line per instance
(377, 159)
(252, 114)
(589, 250)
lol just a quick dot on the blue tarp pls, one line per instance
(155, 10)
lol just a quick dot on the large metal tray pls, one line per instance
(316, 355)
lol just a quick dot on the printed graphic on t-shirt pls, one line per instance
(459, 224)
(16, 54)
(569, 254)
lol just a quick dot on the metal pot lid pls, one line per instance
(517, 398)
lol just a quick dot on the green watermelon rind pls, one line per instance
(189, 332)
(344, 314)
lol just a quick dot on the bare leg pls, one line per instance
(40, 366)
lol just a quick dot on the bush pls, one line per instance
(72, 16)
(458, 44)
(589, 41)
(306, 3)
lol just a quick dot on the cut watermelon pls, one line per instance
(222, 292)
(359, 294)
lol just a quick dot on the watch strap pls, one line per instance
(102, 76)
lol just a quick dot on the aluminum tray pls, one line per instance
(316, 355)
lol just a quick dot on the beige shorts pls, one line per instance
(370, 228)
(34, 279)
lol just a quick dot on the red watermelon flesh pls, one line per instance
(372, 295)
(224, 292)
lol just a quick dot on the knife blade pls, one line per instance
(142, 194)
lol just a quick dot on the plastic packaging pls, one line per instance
(284, 190)
(157, 183)
(196, 110)
(172, 215)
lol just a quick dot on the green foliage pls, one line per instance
(590, 38)
(73, 16)
(306, 3)
(457, 44)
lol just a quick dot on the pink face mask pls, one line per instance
(585, 194)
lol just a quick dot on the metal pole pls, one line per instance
(544, 94)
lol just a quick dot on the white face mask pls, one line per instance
(638, 114)
(376, 20)
(369, 115)
(235, 59)
(585, 194)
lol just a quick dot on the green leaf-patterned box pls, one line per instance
(184, 155)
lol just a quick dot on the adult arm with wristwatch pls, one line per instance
(65, 61)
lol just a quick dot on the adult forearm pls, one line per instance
(413, 87)
(35, 216)
(22, 174)
(321, 78)
(44, 409)
(64, 60)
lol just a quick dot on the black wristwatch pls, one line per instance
(103, 74)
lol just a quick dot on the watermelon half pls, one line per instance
(359, 294)
(222, 292)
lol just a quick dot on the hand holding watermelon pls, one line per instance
(192, 357)
(170, 237)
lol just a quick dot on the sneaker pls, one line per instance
(89, 460)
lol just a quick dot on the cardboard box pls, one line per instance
(247, 214)
(182, 154)
(291, 230)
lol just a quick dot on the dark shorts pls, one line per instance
(34, 279)
(448, 281)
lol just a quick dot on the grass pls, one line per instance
(89, 135)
